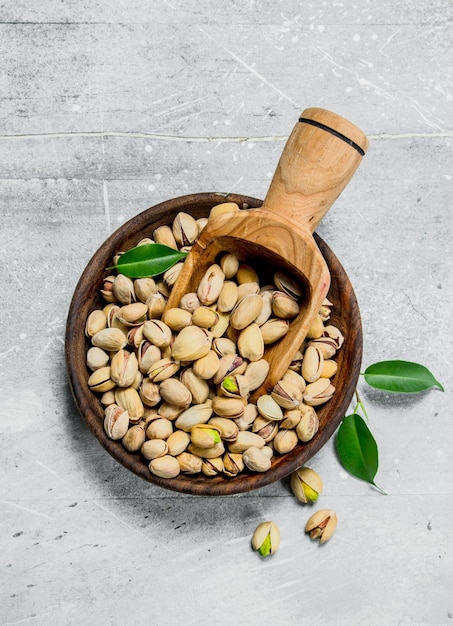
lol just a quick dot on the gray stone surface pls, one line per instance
(110, 107)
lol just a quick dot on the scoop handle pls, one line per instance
(319, 159)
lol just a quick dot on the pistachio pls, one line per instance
(124, 368)
(96, 358)
(329, 368)
(156, 305)
(233, 463)
(164, 235)
(163, 369)
(212, 467)
(170, 277)
(248, 289)
(147, 355)
(198, 387)
(211, 284)
(256, 460)
(109, 339)
(228, 297)
(229, 264)
(223, 346)
(204, 317)
(285, 440)
(207, 453)
(165, 466)
(325, 310)
(129, 399)
(266, 538)
(288, 284)
(268, 408)
(273, 330)
(245, 421)
(191, 343)
(224, 207)
(108, 397)
(185, 229)
(160, 428)
(195, 414)
(229, 364)
(246, 274)
(284, 306)
(189, 302)
(132, 314)
(266, 310)
(116, 421)
(189, 463)
(100, 380)
(96, 321)
(234, 386)
(123, 289)
(306, 484)
(135, 336)
(246, 311)
(316, 329)
(256, 373)
(157, 332)
(227, 428)
(134, 438)
(267, 429)
(177, 442)
(154, 448)
(170, 411)
(207, 366)
(245, 440)
(333, 333)
(228, 407)
(318, 392)
(308, 425)
(205, 435)
(291, 418)
(287, 394)
(175, 392)
(326, 345)
(107, 289)
(177, 318)
(149, 392)
(144, 288)
(250, 343)
(312, 364)
(321, 525)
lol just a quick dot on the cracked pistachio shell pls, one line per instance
(227, 428)
(268, 408)
(149, 392)
(256, 460)
(147, 355)
(333, 333)
(171, 276)
(229, 364)
(266, 538)
(195, 414)
(312, 364)
(156, 305)
(177, 318)
(175, 392)
(132, 314)
(321, 525)
(267, 429)
(248, 289)
(204, 317)
(107, 289)
(246, 311)
(189, 463)
(285, 440)
(100, 380)
(160, 428)
(229, 264)
(295, 378)
(223, 346)
(306, 484)
(153, 448)
(109, 339)
(135, 336)
(96, 321)
(318, 392)
(266, 310)
(256, 373)
(129, 399)
(287, 394)
(289, 285)
(123, 289)
(326, 345)
(211, 284)
(245, 421)
(212, 467)
(233, 463)
(163, 369)
(273, 330)
(234, 386)
(308, 425)
(204, 435)
(185, 229)
(116, 422)
(284, 306)
(164, 235)
(191, 344)
(228, 297)
(96, 358)
(219, 328)
(245, 440)
(134, 438)
(207, 453)
(228, 407)
(144, 288)
(250, 343)
(165, 466)
(207, 366)
(177, 442)
(189, 302)
(197, 386)
(291, 418)
(157, 332)
(123, 368)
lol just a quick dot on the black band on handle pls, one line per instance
(306, 120)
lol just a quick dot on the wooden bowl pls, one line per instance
(345, 315)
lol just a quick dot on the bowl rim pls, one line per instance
(89, 405)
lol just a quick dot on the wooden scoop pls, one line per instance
(319, 158)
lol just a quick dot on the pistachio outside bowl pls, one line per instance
(345, 315)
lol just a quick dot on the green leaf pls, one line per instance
(148, 260)
(357, 448)
(400, 377)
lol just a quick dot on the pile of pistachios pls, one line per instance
(176, 384)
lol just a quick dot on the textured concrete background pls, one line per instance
(110, 107)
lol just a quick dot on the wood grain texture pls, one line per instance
(86, 297)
